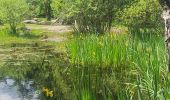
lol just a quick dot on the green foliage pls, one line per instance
(58, 9)
(40, 8)
(90, 15)
(64, 10)
(35, 8)
(142, 14)
(94, 16)
(13, 12)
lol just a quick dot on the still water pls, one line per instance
(26, 70)
(10, 90)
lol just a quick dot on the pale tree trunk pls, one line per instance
(166, 16)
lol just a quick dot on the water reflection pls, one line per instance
(11, 90)
(29, 70)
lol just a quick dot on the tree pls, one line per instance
(57, 7)
(48, 9)
(166, 16)
(40, 8)
(95, 16)
(34, 8)
(13, 12)
(142, 16)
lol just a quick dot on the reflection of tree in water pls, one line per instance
(33, 68)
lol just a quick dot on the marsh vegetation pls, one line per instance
(114, 51)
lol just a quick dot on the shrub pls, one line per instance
(13, 12)
(143, 16)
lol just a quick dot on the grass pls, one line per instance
(97, 50)
(6, 37)
(120, 67)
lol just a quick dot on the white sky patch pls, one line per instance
(7, 92)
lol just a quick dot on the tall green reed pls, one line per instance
(132, 68)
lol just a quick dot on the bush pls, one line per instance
(94, 17)
(90, 16)
(13, 12)
(142, 16)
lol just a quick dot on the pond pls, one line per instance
(29, 72)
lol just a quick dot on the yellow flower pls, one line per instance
(45, 89)
(47, 92)
(51, 94)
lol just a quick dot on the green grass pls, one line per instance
(6, 37)
(121, 67)
(98, 50)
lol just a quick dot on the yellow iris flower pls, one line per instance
(47, 92)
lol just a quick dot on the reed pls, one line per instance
(119, 67)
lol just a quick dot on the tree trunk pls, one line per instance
(48, 9)
(166, 16)
(167, 40)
